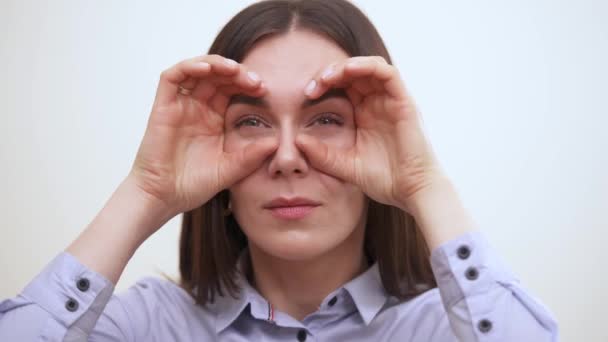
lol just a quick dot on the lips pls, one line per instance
(295, 208)
(282, 202)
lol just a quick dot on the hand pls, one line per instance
(181, 161)
(391, 160)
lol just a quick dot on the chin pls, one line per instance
(300, 249)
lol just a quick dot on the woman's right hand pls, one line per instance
(181, 161)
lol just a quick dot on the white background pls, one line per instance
(513, 96)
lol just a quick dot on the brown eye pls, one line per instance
(251, 121)
(328, 119)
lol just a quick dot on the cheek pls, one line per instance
(234, 141)
(242, 193)
(339, 189)
(337, 137)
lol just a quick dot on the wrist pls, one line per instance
(440, 213)
(127, 219)
(155, 207)
(433, 186)
(140, 214)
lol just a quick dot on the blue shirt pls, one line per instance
(477, 299)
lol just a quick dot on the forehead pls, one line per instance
(287, 62)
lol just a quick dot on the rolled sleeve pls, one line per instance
(483, 298)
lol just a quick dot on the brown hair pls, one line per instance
(211, 242)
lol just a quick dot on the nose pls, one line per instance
(288, 160)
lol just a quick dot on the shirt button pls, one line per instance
(302, 335)
(83, 284)
(484, 325)
(464, 252)
(471, 273)
(332, 301)
(71, 305)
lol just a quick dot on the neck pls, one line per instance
(298, 287)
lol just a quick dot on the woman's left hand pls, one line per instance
(391, 160)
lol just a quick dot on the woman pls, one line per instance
(314, 208)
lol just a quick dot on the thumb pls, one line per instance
(243, 162)
(328, 159)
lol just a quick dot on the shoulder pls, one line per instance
(422, 317)
(427, 304)
(153, 292)
(161, 290)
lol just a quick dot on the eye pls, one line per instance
(252, 121)
(328, 119)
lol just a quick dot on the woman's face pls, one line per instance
(286, 64)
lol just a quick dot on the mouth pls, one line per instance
(291, 209)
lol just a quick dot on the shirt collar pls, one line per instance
(228, 308)
(366, 290)
(368, 293)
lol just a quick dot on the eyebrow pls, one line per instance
(261, 102)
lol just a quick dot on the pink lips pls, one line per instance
(294, 208)
(292, 213)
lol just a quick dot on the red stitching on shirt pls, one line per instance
(270, 313)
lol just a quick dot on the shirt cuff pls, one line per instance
(467, 266)
(70, 291)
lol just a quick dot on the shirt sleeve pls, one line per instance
(65, 302)
(484, 301)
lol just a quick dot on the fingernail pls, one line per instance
(310, 87)
(253, 76)
(327, 72)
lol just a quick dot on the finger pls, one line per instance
(331, 72)
(221, 99)
(241, 80)
(332, 161)
(364, 86)
(171, 78)
(187, 72)
(383, 76)
(368, 74)
(355, 96)
(242, 163)
(220, 67)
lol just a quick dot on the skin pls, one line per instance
(380, 151)
(191, 150)
(326, 246)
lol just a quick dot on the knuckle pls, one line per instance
(213, 58)
(380, 59)
(165, 74)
